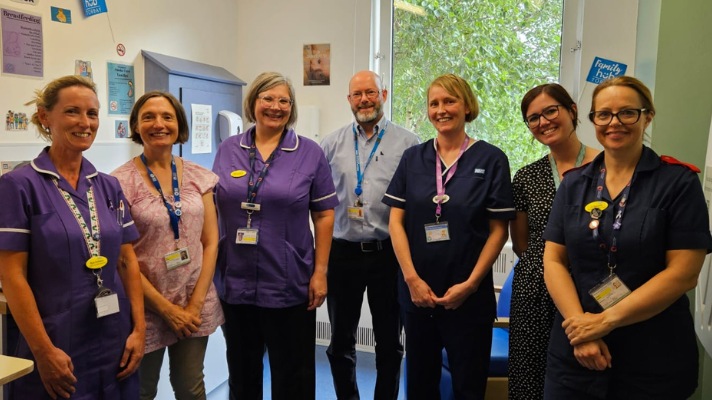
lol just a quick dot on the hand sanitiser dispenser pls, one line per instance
(230, 124)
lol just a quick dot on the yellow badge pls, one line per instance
(238, 174)
(601, 205)
(96, 262)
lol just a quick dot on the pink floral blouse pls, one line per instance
(151, 218)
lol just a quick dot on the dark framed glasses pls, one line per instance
(549, 113)
(626, 117)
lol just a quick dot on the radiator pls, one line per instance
(364, 334)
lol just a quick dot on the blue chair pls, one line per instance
(497, 383)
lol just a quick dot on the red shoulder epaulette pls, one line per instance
(674, 161)
(577, 168)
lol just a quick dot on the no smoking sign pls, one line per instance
(121, 49)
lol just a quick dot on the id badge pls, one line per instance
(177, 258)
(356, 213)
(437, 232)
(610, 291)
(106, 303)
(247, 236)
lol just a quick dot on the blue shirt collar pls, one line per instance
(376, 128)
(649, 161)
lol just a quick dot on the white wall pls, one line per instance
(607, 29)
(202, 31)
(271, 39)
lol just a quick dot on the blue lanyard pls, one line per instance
(359, 175)
(617, 221)
(174, 215)
(253, 186)
(555, 171)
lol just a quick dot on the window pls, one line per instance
(502, 48)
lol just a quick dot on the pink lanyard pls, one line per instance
(439, 174)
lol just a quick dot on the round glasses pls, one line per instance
(626, 117)
(370, 94)
(283, 103)
(549, 113)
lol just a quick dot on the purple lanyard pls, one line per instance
(450, 173)
(617, 221)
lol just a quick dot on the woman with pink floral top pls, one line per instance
(171, 202)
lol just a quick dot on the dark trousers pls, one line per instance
(288, 336)
(468, 344)
(351, 271)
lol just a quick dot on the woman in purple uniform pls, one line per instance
(67, 266)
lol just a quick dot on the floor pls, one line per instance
(365, 375)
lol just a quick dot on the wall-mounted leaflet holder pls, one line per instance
(229, 123)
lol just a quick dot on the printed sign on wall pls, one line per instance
(93, 7)
(62, 15)
(603, 69)
(22, 45)
(121, 88)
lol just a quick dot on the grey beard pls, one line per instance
(370, 117)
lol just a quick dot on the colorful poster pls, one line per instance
(317, 64)
(62, 15)
(602, 69)
(83, 68)
(202, 132)
(93, 7)
(121, 88)
(22, 46)
(16, 121)
(121, 129)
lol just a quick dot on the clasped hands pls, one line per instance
(585, 332)
(423, 296)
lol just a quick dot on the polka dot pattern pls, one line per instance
(532, 309)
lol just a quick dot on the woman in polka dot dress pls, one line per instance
(551, 115)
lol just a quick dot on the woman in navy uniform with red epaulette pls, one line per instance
(626, 239)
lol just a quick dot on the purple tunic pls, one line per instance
(276, 272)
(34, 218)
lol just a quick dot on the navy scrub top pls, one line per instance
(666, 210)
(480, 190)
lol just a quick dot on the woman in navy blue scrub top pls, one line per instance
(451, 199)
(67, 265)
(626, 239)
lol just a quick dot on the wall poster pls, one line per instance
(317, 64)
(202, 128)
(22, 44)
(121, 88)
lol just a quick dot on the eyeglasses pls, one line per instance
(370, 94)
(283, 103)
(626, 117)
(549, 113)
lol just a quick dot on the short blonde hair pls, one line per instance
(459, 88)
(266, 81)
(646, 98)
(48, 96)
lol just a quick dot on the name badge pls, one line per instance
(177, 258)
(106, 303)
(437, 232)
(247, 236)
(609, 291)
(356, 213)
